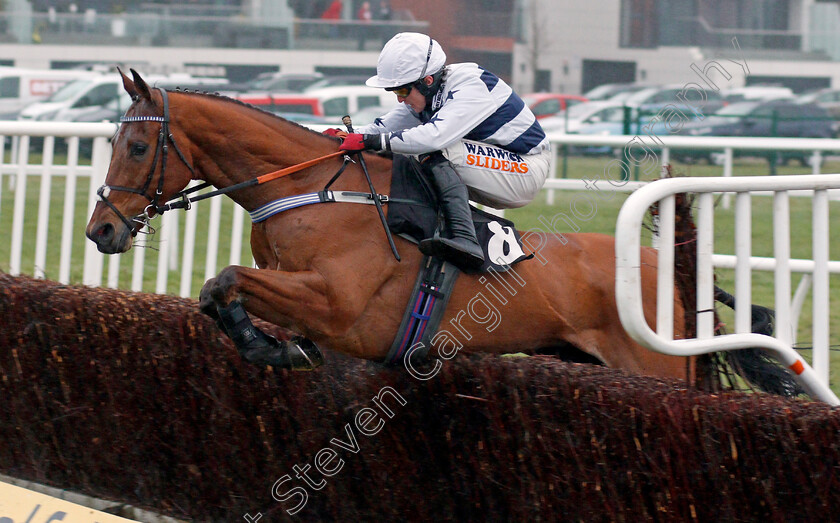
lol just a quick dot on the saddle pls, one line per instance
(413, 212)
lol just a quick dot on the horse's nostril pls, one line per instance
(105, 233)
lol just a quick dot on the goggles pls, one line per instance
(402, 91)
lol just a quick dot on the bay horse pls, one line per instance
(326, 272)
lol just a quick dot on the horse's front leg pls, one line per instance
(222, 299)
(207, 306)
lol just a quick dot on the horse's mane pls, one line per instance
(227, 99)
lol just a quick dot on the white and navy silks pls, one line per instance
(480, 125)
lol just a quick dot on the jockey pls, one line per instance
(472, 134)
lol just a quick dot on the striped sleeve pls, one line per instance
(398, 118)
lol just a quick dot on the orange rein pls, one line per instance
(295, 168)
(182, 202)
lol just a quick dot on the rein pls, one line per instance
(181, 200)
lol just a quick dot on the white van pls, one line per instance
(21, 87)
(756, 92)
(342, 100)
(82, 95)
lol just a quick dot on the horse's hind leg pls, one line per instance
(253, 344)
(617, 350)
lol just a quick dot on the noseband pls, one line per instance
(164, 138)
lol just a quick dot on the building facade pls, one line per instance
(572, 46)
(536, 45)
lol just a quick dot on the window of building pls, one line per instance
(487, 18)
(639, 23)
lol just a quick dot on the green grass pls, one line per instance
(603, 221)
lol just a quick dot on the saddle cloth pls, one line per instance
(412, 211)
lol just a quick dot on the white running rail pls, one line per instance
(21, 170)
(628, 274)
(77, 178)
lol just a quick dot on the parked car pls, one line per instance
(783, 118)
(89, 95)
(333, 81)
(301, 84)
(342, 100)
(544, 105)
(580, 115)
(82, 95)
(756, 92)
(76, 96)
(643, 121)
(330, 103)
(643, 125)
(109, 112)
(828, 99)
(285, 103)
(367, 115)
(654, 98)
(114, 109)
(281, 82)
(606, 92)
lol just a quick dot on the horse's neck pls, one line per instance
(253, 144)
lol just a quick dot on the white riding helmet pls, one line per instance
(406, 58)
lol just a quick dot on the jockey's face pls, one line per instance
(415, 98)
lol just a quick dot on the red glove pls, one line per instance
(353, 142)
(334, 132)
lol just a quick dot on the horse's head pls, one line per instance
(142, 175)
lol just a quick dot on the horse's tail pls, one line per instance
(753, 364)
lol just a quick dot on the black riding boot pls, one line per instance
(461, 248)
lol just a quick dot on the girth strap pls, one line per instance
(424, 312)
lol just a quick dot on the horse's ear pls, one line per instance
(128, 85)
(140, 89)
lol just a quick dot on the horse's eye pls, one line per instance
(138, 149)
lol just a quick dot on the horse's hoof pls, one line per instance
(298, 353)
(304, 354)
(206, 305)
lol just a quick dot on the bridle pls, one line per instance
(164, 138)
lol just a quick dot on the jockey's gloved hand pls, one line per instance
(362, 142)
(333, 131)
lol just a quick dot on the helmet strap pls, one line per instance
(429, 91)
